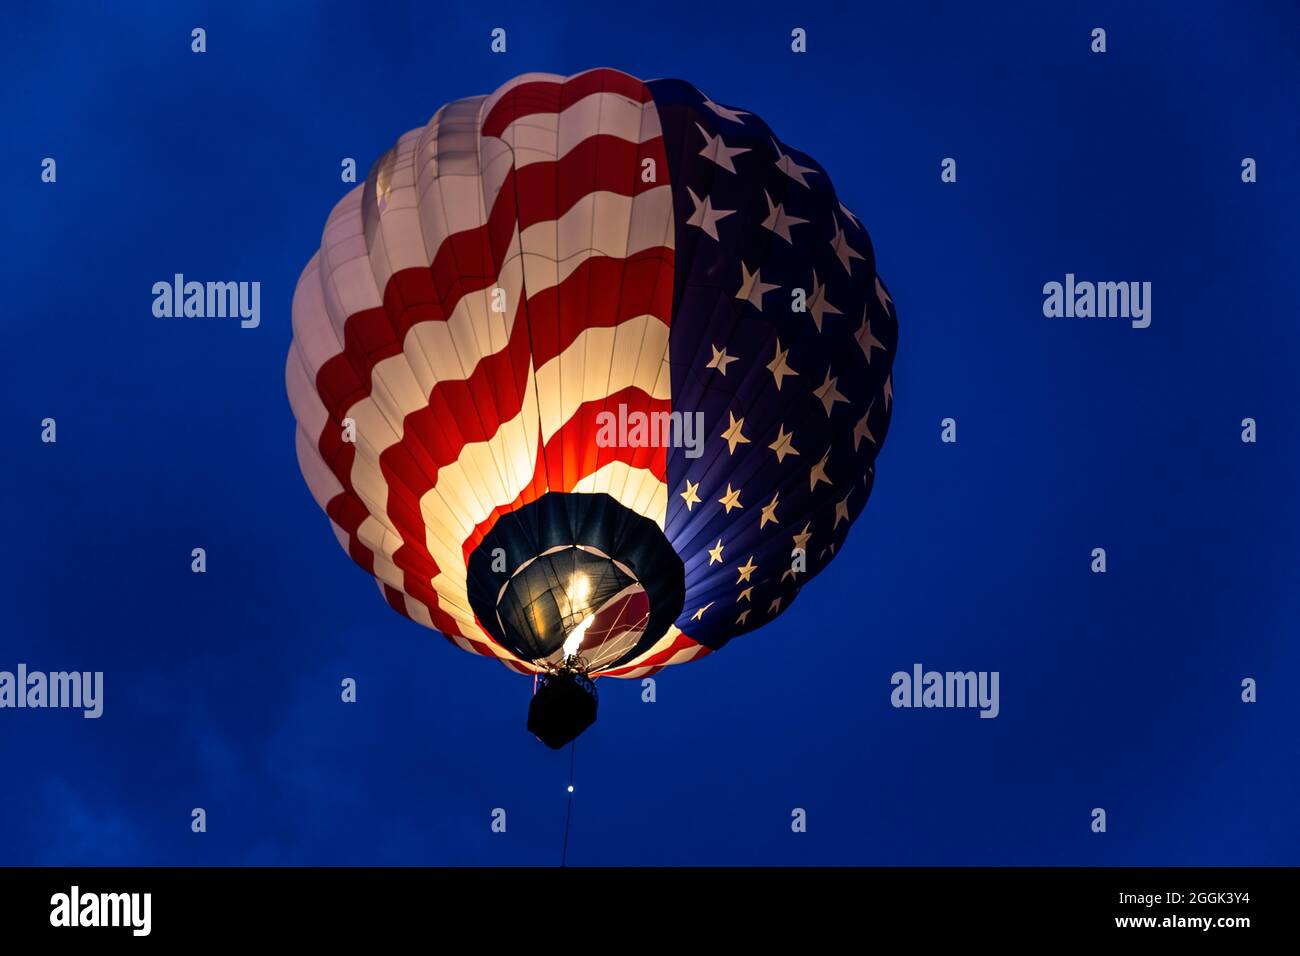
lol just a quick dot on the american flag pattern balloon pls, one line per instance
(532, 264)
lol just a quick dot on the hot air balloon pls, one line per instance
(591, 374)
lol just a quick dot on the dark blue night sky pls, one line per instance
(1119, 690)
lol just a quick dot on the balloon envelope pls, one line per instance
(591, 366)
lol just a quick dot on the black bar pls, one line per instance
(211, 905)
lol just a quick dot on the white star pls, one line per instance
(792, 169)
(733, 435)
(720, 359)
(690, 495)
(845, 209)
(842, 510)
(733, 115)
(828, 393)
(779, 367)
(784, 444)
(778, 221)
(817, 304)
(818, 472)
(705, 216)
(866, 340)
(882, 295)
(801, 539)
(718, 151)
(752, 287)
(863, 429)
(843, 251)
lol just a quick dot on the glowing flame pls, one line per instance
(574, 641)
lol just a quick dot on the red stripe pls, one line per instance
(396, 600)
(551, 96)
(572, 454)
(602, 163)
(348, 513)
(661, 658)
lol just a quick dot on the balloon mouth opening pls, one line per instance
(574, 607)
(575, 582)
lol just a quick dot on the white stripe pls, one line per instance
(638, 350)
(547, 137)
